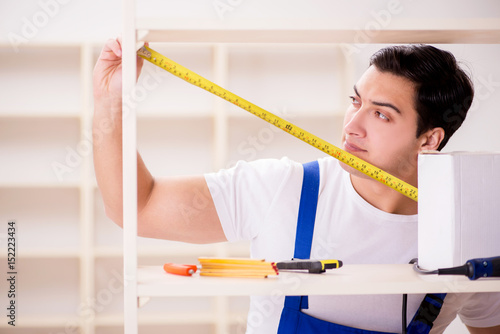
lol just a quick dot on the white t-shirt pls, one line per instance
(259, 201)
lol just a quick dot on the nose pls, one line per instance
(354, 123)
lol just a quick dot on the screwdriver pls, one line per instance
(180, 269)
(473, 269)
(313, 266)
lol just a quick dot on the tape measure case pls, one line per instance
(458, 208)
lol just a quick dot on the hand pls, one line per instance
(108, 71)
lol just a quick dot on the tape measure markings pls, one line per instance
(346, 157)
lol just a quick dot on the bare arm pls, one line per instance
(172, 208)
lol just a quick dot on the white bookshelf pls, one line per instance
(147, 282)
(326, 30)
(63, 230)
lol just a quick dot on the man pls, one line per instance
(410, 99)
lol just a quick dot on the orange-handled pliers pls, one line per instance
(180, 269)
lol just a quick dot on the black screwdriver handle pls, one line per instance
(486, 267)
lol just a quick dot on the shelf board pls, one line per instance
(346, 30)
(40, 253)
(49, 321)
(72, 115)
(4, 46)
(156, 318)
(348, 280)
(39, 185)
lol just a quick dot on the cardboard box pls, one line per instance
(458, 208)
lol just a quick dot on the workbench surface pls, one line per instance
(348, 280)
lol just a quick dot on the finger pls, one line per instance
(119, 42)
(140, 63)
(116, 46)
(111, 50)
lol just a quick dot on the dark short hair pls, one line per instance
(444, 92)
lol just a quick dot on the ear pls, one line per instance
(431, 139)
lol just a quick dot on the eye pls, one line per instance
(354, 100)
(381, 116)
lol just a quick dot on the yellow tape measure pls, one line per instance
(347, 158)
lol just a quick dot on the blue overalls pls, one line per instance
(293, 320)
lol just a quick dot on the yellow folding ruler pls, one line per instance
(347, 158)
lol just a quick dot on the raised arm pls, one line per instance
(179, 208)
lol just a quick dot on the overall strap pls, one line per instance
(305, 224)
(428, 311)
(307, 211)
(289, 321)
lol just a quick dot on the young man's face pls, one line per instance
(381, 123)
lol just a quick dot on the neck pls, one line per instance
(382, 197)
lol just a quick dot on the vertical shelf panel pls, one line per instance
(86, 190)
(129, 164)
(220, 140)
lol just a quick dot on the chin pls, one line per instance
(352, 170)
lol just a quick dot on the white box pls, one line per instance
(458, 208)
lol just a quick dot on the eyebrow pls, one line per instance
(381, 104)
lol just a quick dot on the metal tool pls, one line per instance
(313, 266)
(473, 269)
